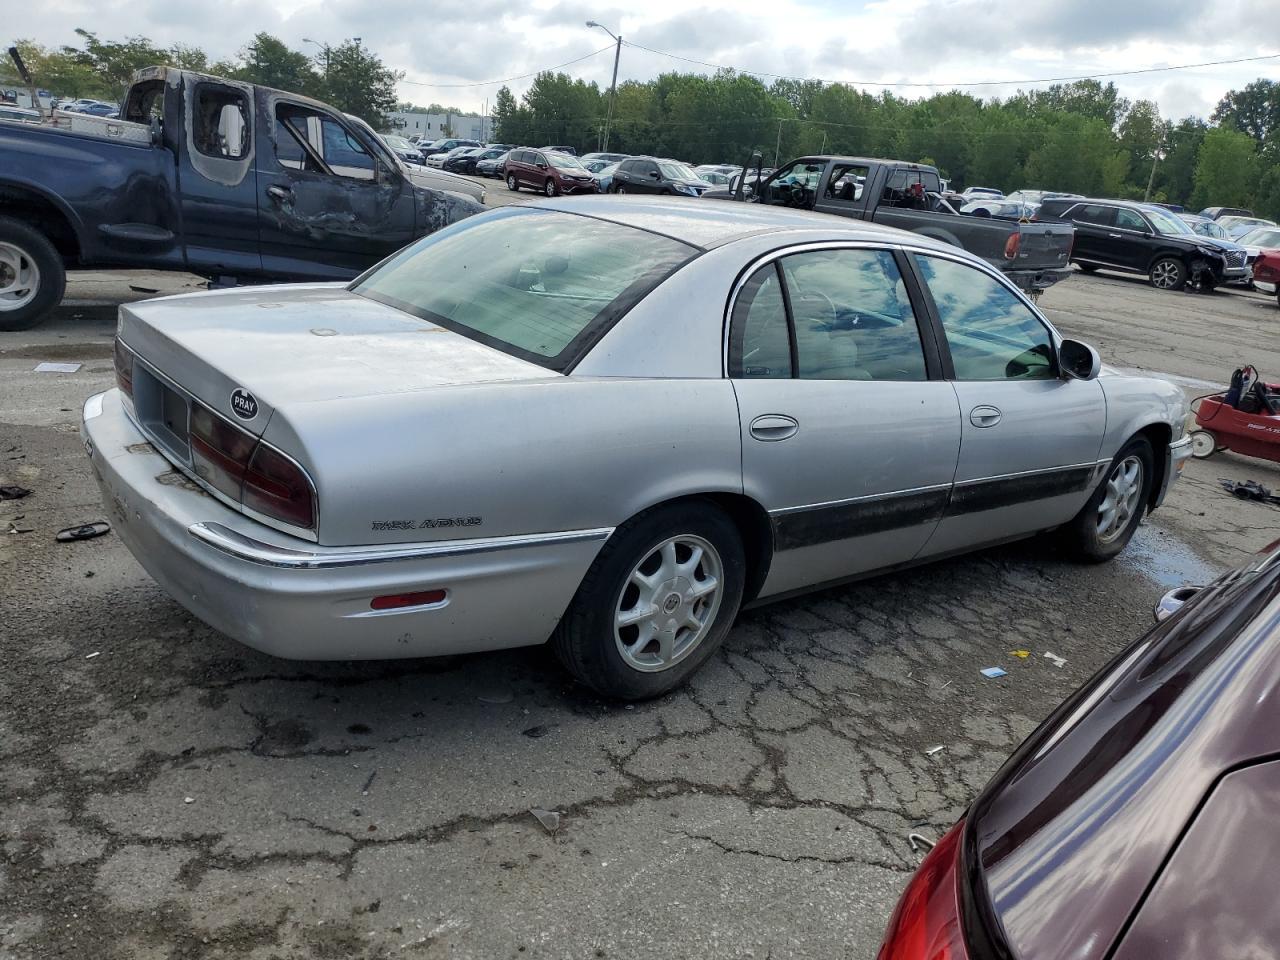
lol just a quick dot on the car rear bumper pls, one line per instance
(294, 599)
(1037, 280)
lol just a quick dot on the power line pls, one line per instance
(971, 83)
(523, 76)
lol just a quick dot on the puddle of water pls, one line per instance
(1165, 560)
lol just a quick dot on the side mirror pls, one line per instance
(655, 174)
(541, 165)
(1079, 361)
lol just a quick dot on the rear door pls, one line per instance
(330, 204)
(1030, 438)
(849, 434)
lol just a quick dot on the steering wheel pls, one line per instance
(799, 196)
(818, 303)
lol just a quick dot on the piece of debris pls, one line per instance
(550, 819)
(992, 672)
(13, 492)
(1249, 490)
(1056, 660)
(938, 749)
(90, 656)
(86, 531)
(188, 799)
(920, 842)
(496, 696)
(51, 367)
(1020, 654)
(534, 733)
(140, 289)
(14, 528)
(364, 791)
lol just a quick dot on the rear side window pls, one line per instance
(761, 345)
(540, 285)
(992, 334)
(1094, 213)
(220, 121)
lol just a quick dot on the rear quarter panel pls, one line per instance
(564, 453)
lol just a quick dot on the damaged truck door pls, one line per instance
(328, 198)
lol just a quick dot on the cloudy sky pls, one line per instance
(450, 47)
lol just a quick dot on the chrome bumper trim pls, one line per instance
(266, 554)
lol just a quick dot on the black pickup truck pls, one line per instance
(908, 196)
(220, 178)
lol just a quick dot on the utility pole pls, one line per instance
(777, 147)
(613, 85)
(1155, 156)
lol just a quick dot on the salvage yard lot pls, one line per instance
(167, 792)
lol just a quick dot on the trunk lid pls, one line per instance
(272, 346)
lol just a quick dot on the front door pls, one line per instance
(329, 206)
(849, 436)
(1030, 438)
(1128, 242)
(1093, 222)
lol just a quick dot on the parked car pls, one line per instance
(468, 161)
(1259, 239)
(908, 195)
(1237, 270)
(587, 158)
(1137, 238)
(548, 172)
(239, 181)
(22, 114)
(1203, 226)
(1239, 226)
(1039, 196)
(73, 106)
(717, 178)
(445, 144)
(654, 175)
(108, 110)
(569, 151)
(498, 146)
(1217, 213)
(455, 160)
(1136, 822)
(403, 149)
(494, 166)
(1006, 209)
(636, 416)
(604, 177)
(978, 193)
(1266, 272)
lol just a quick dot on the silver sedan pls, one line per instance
(611, 422)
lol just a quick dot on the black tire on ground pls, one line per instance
(586, 640)
(512, 183)
(620, 188)
(1168, 273)
(1081, 536)
(1088, 267)
(549, 188)
(28, 248)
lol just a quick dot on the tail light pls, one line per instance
(249, 471)
(926, 923)
(124, 368)
(1012, 244)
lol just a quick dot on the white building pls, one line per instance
(432, 126)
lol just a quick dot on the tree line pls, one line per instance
(1081, 137)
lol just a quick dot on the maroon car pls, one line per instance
(1138, 821)
(548, 172)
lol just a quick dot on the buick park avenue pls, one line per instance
(609, 423)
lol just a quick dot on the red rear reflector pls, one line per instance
(394, 601)
(926, 923)
(124, 368)
(276, 486)
(1011, 245)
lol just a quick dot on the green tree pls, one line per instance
(1226, 170)
(1255, 110)
(1142, 133)
(358, 82)
(269, 62)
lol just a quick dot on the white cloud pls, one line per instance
(909, 41)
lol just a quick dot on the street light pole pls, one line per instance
(613, 86)
(324, 47)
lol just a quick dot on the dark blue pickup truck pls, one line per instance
(212, 176)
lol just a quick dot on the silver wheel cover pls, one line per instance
(19, 277)
(1120, 499)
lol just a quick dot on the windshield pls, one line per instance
(676, 171)
(541, 285)
(562, 161)
(1261, 237)
(1166, 222)
(1207, 228)
(400, 143)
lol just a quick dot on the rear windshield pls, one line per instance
(540, 285)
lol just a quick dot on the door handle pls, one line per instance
(1116, 236)
(985, 415)
(279, 193)
(773, 427)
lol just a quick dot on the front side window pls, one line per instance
(327, 139)
(540, 285)
(991, 333)
(220, 122)
(1128, 220)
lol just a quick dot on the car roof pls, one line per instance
(714, 223)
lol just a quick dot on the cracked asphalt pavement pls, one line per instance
(166, 792)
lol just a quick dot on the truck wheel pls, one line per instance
(1168, 273)
(656, 603)
(32, 277)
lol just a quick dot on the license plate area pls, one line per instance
(162, 412)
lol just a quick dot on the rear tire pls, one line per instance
(615, 659)
(1105, 524)
(1168, 273)
(32, 275)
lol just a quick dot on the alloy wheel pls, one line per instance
(1120, 500)
(668, 604)
(19, 277)
(1165, 275)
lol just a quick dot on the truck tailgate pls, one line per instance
(1043, 246)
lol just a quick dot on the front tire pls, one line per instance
(512, 182)
(549, 188)
(1105, 524)
(1168, 273)
(1088, 267)
(32, 276)
(620, 188)
(656, 603)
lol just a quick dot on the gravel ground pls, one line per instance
(165, 792)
